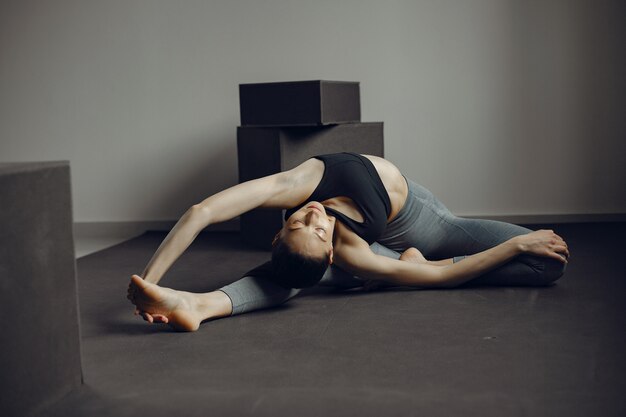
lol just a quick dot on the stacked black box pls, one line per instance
(284, 124)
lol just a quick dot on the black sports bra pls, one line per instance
(354, 176)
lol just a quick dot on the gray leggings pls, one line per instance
(426, 224)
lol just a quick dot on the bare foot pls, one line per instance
(176, 308)
(413, 255)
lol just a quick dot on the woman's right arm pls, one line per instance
(273, 191)
(174, 244)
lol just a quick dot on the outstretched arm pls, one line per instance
(270, 191)
(356, 258)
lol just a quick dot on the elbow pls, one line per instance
(197, 210)
(199, 215)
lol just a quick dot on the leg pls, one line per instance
(426, 224)
(256, 290)
(469, 236)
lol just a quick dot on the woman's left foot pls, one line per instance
(176, 308)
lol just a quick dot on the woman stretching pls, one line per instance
(359, 215)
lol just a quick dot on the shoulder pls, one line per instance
(349, 248)
(305, 171)
(296, 184)
(304, 178)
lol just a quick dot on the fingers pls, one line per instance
(147, 317)
(152, 318)
(545, 242)
(561, 258)
(559, 246)
(560, 253)
(159, 318)
(551, 253)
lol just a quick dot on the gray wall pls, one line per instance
(499, 107)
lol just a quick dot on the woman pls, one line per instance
(352, 211)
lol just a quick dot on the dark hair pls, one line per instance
(293, 270)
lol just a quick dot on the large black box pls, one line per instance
(299, 103)
(40, 361)
(266, 151)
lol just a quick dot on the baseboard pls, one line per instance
(135, 228)
(555, 218)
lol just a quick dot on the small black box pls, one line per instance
(299, 103)
(265, 151)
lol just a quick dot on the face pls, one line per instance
(310, 230)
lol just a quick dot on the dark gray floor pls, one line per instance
(554, 351)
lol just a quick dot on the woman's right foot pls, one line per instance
(175, 308)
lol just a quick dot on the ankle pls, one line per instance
(213, 304)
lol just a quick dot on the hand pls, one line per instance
(544, 243)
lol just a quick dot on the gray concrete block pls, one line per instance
(264, 151)
(40, 359)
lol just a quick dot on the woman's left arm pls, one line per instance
(356, 258)
(541, 242)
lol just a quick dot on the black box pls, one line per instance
(299, 103)
(266, 151)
